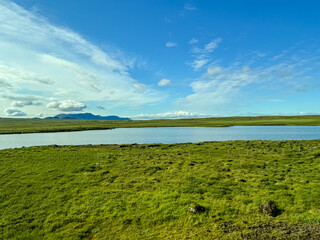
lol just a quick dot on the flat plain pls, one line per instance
(145, 191)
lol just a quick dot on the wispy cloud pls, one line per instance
(211, 71)
(207, 48)
(171, 44)
(40, 59)
(261, 54)
(163, 82)
(166, 19)
(193, 41)
(84, 78)
(220, 86)
(25, 103)
(282, 54)
(190, 7)
(170, 115)
(23, 97)
(100, 107)
(202, 56)
(11, 75)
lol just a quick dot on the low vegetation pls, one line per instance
(10, 125)
(211, 190)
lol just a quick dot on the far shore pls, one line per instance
(25, 125)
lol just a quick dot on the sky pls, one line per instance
(159, 59)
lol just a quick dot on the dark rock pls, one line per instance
(104, 173)
(194, 208)
(154, 145)
(269, 208)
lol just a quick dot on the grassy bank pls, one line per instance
(10, 125)
(144, 191)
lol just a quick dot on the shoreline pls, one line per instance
(151, 145)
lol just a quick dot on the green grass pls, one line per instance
(144, 191)
(10, 125)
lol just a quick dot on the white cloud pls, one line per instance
(193, 41)
(11, 112)
(5, 84)
(17, 22)
(39, 59)
(175, 114)
(20, 103)
(163, 82)
(202, 55)
(85, 79)
(10, 75)
(217, 88)
(214, 70)
(24, 98)
(67, 106)
(25, 103)
(209, 47)
(171, 44)
(189, 7)
(261, 54)
(140, 88)
(199, 63)
(223, 86)
(282, 54)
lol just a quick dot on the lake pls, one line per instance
(161, 135)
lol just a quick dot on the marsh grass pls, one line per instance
(144, 191)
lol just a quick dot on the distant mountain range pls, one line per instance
(86, 116)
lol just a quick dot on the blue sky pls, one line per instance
(159, 59)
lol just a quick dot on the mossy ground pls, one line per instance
(144, 191)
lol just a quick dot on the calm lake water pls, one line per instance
(162, 135)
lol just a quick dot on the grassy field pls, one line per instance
(144, 191)
(10, 125)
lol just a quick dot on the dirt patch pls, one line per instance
(274, 231)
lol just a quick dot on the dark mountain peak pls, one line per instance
(86, 116)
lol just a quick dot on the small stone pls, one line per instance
(192, 210)
(195, 209)
(269, 208)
